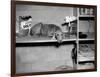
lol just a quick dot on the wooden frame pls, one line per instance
(15, 44)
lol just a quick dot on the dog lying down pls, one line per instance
(47, 30)
(24, 28)
(42, 30)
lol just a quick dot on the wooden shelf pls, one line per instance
(86, 15)
(88, 39)
(35, 39)
(84, 59)
(40, 41)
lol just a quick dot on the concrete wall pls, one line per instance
(45, 14)
(42, 58)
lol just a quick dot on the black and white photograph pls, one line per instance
(54, 38)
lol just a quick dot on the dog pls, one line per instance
(47, 30)
(23, 25)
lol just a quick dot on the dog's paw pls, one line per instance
(53, 38)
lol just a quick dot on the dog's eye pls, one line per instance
(29, 24)
(57, 34)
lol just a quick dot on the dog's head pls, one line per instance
(59, 36)
(25, 22)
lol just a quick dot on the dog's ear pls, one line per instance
(20, 17)
(55, 35)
